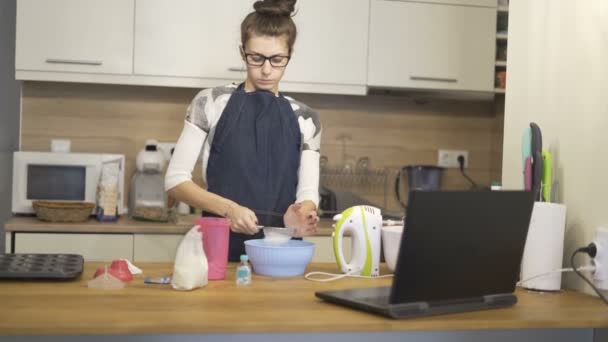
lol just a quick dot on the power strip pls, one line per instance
(600, 261)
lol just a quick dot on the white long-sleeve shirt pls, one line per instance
(202, 117)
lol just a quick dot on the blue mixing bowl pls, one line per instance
(286, 260)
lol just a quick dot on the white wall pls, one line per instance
(557, 76)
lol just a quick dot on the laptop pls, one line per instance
(460, 251)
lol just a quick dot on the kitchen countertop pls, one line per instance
(267, 305)
(124, 225)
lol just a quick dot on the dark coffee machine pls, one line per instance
(419, 177)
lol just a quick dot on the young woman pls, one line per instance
(260, 148)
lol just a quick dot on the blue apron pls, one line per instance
(255, 157)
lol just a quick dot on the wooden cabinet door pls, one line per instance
(92, 36)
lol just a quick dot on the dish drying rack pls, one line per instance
(355, 174)
(372, 182)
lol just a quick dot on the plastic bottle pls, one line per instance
(243, 272)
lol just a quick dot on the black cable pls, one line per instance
(461, 162)
(591, 250)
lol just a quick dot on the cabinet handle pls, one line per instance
(434, 79)
(237, 69)
(72, 61)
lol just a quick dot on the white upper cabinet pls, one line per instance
(343, 46)
(200, 39)
(331, 47)
(432, 44)
(89, 36)
(189, 38)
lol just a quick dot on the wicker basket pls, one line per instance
(60, 211)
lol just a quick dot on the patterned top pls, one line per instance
(202, 117)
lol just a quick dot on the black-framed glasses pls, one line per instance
(256, 59)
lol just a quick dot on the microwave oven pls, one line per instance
(60, 176)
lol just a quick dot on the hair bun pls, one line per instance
(275, 7)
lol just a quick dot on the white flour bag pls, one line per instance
(190, 269)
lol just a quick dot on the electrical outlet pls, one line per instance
(165, 148)
(449, 158)
(61, 145)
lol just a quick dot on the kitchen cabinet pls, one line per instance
(74, 36)
(185, 43)
(140, 241)
(135, 247)
(432, 44)
(343, 46)
(189, 38)
(93, 247)
(324, 248)
(332, 44)
(502, 27)
(163, 247)
(100, 247)
(156, 247)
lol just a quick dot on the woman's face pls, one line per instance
(261, 74)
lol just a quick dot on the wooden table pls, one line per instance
(268, 305)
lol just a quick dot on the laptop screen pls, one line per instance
(461, 244)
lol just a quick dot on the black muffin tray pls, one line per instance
(41, 266)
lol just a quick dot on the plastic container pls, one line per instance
(147, 197)
(243, 272)
(216, 236)
(501, 79)
(119, 269)
(105, 280)
(286, 260)
(107, 192)
(544, 248)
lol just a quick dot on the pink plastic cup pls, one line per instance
(216, 236)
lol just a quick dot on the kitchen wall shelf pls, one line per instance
(502, 36)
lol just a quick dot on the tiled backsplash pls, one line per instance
(391, 130)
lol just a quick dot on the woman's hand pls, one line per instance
(302, 219)
(242, 220)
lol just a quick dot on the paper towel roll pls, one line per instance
(544, 248)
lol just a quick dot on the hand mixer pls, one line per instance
(364, 223)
